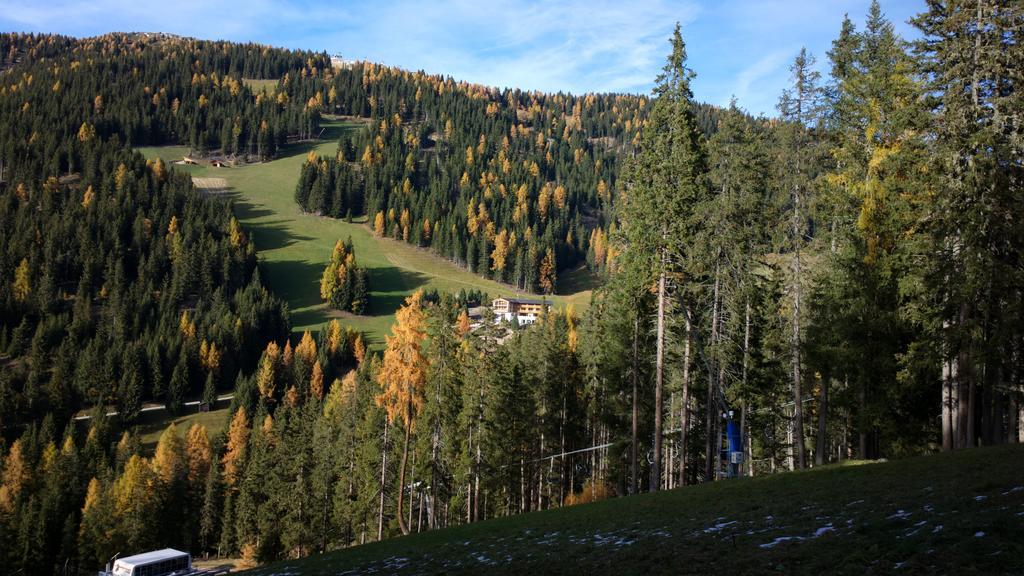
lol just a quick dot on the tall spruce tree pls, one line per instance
(800, 109)
(664, 183)
(972, 55)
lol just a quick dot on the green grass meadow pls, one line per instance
(266, 86)
(152, 424)
(956, 513)
(294, 247)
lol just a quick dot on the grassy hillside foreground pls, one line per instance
(959, 513)
(294, 247)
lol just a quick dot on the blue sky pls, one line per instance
(739, 48)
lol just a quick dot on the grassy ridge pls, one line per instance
(294, 247)
(959, 513)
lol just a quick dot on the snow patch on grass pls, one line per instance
(780, 540)
(718, 527)
(817, 534)
(824, 530)
(915, 529)
(484, 559)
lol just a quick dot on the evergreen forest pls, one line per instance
(839, 281)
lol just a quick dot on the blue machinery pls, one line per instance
(733, 453)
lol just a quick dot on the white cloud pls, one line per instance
(571, 46)
(771, 65)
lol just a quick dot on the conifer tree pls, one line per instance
(663, 186)
(234, 455)
(402, 377)
(799, 108)
(971, 55)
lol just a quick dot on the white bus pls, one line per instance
(164, 562)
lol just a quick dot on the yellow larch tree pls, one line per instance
(500, 253)
(234, 455)
(88, 197)
(548, 272)
(462, 323)
(135, 497)
(198, 453)
(335, 338)
(359, 348)
(169, 460)
(266, 373)
(402, 378)
(16, 476)
(306, 350)
(316, 382)
(22, 281)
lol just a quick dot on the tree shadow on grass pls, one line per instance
(297, 282)
(267, 235)
(311, 316)
(245, 210)
(273, 235)
(577, 280)
(390, 286)
(331, 133)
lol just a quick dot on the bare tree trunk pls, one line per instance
(469, 479)
(1020, 416)
(636, 407)
(419, 515)
(972, 437)
(400, 510)
(684, 409)
(750, 451)
(540, 472)
(798, 411)
(1016, 415)
(659, 379)
(743, 403)
(948, 409)
(711, 449)
(790, 447)
(562, 460)
(821, 450)
(435, 441)
(522, 486)
(412, 482)
(671, 448)
(476, 484)
(862, 434)
(383, 468)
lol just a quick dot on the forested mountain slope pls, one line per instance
(119, 282)
(515, 186)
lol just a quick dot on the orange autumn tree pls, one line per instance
(402, 378)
